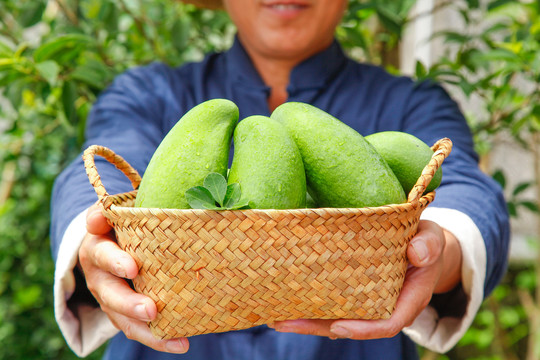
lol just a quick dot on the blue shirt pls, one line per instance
(134, 114)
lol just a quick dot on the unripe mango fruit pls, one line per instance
(342, 168)
(267, 165)
(198, 144)
(407, 156)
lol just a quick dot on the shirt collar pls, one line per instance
(312, 73)
(240, 68)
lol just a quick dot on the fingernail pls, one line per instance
(420, 249)
(286, 329)
(119, 270)
(177, 345)
(341, 332)
(141, 312)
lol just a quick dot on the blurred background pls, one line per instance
(57, 55)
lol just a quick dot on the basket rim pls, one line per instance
(423, 201)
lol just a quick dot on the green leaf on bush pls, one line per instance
(93, 73)
(180, 34)
(526, 279)
(49, 70)
(512, 211)
(63, 48)
(69, 96)
(509, 317)
(27, 297)
(498, 3)
(530, 206)
(521, 187)
(32, 14)
(499, 177)
(5, 50)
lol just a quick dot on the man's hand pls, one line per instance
(435, 267)
(105, 267)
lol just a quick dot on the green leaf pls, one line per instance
(453, 37)
(508, 317)
(233, 195)
(199, 197)
(526, 279)
(500, 178)
(485, 318)
(421, 71)
(91, 9)
(467, 87)
(63, 48)
(14, 91)
(49, 70)
(27, 297)
(5, 50)
(521, 187)
(356, 37)
(473, 4)
(530, 206)
(69, 96)
(503, 55)
(7, 63)
(216, 184)
(180, 34)
(93, 73)
(511, 209)
(216, 192)
(241, 205)
(32, 13)
(498, 3)
(391, 21)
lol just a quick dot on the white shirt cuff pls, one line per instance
(441, 334)
(92, 328)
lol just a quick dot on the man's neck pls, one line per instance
(276, 74)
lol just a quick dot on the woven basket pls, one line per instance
(213, 271)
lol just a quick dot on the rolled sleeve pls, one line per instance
(430, 330)
(90, 327)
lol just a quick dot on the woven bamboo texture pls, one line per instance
(214, 271)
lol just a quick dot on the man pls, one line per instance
(284, 51)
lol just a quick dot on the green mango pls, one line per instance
(407, 156)
(267, 165)
(197, 145)
(342, 168)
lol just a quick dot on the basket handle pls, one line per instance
(442, 149)
(118, 161)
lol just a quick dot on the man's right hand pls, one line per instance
(106, 268)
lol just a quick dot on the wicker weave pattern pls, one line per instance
(214, 271)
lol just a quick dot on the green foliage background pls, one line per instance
(57, 55)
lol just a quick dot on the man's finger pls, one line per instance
(414, 297)
(139, 331)
(115, 295)
(108, 256)
(96, 223)
(307, 327)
